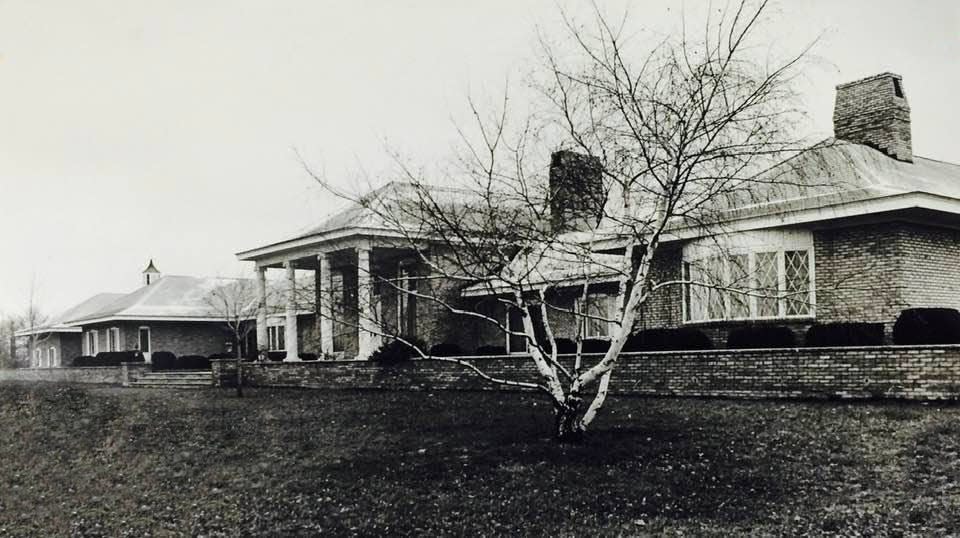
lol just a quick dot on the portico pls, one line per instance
(355, 300)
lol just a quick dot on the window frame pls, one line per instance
(92, 344)
(140, 346)
(688, 296)
(585, 324)
(113, 339)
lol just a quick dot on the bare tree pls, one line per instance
(235, 301)
(31, 323)
(678, 137)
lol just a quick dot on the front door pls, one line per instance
(144, 342)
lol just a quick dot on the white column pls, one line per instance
(367, 333)
(262, 343)
(325, 308)
(290, 336)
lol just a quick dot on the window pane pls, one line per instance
(716, 309)
(698, 292)
(797, 268)
(766, 270)
(739, 284)
(516, 343)
(598, 309)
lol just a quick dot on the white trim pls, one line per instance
(46, 330)
(52, 356)
(92, 342)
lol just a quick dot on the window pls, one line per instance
(52, 356)
(92, 345)
(113, 339)
(143, 339)
(749, 285)
(516, 343)
(38, 357)
(406, 303)
(594, 315)
(275, 336)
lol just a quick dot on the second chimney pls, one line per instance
(874, 112)
(576, 191)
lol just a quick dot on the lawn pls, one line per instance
(78, 460)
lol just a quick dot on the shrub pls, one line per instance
(683, 338)
(114, 358)
(193, 362)
(761, 336)
(844, 334)
(82, 360)
(395, 352)
(491, 350)
(163, 360)
(221, 356)
(446, 349)
(276, 355)
(917, 326)
(308, 356)
(595, 345)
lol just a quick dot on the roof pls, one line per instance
(390, 210)
(549, 265)
(61, 322)
(169, 297)
(151, 268)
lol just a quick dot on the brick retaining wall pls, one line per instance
(92, 374)
(917, 373)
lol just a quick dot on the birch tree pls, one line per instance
(680, 134)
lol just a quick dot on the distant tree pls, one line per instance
(235, 301)
(32, 321)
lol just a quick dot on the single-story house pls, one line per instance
(175, 313)
(876, 230)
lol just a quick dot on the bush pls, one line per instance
(446, 349)
(221, 356)
(844, 334)
(276, 356)
(114, 358)
(683, 339)
(918, 326)
(761, 336)
(193, 362)
(308, 356)
(82, 360)
(163, 360)
(395, 352)
(491, 350)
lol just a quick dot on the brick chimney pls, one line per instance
(576, 191)
(874, 112)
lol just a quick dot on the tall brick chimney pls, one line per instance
(576, 191)
(874, 112)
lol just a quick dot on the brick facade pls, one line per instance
(915, 373)
(179, 337)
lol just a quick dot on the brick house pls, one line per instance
(168, 313)
(857, 230)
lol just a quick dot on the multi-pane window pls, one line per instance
(748, 285)
(113, 339)
(595, 315)
(91, 345)
(406, 301)
(275, 336)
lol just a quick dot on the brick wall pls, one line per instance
(179, 337)
(95, 374)
(917, 373)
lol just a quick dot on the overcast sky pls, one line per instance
(132, 130)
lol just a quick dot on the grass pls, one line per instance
(76, 460)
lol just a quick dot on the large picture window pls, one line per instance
(595, 313)
(749, 285)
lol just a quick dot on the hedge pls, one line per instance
(395, 352)
(761, 336)
(445, 349)
(920, 326)
(679, 339)
(163, 360)
(844, 334)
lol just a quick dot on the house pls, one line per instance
(172, 313)
(856, 229)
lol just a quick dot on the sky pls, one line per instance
(133, 129)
